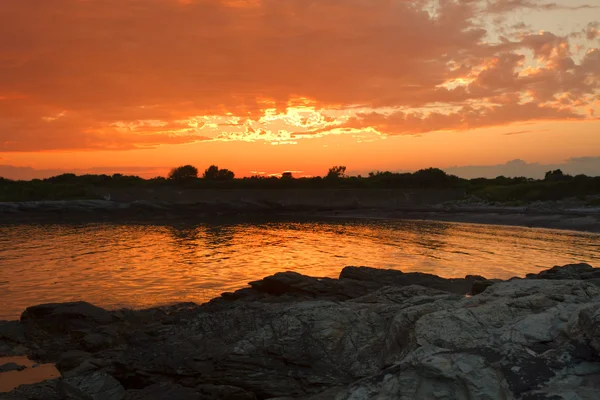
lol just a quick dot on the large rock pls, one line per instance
(65, 317)
(354, 282)
(518, 339)
(291, 286)
(431, 374)
(270, 349)
(390, 277)
(571, 271)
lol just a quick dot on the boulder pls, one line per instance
(65, 317)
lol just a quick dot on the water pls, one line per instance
(115, 265)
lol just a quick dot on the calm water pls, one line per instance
(146, 265)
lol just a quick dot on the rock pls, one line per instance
(372, 334)
(8, 349)
(273, 349)
(12, 331)
(71, 360)
(8, 367)
(414, 294)
(65, 317)
(164, 391)
(354, 282)
(480, 286)
(291, 286)
(47, 390)
(588, 325)
(220, 392)
(96, 386)
(391, 277)
(570, 271)
(94, 341)
(432, 374)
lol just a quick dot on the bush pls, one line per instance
(183, 173)
(213, 173)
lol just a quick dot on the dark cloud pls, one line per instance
(28, 173)
(580, 165)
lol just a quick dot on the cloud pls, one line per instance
(466, 118)
(503, 6)
(592, 31)
(516, 168)
(522, 132)
(28, 173)
(109, 74)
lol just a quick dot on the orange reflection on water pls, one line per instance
(30, 375)
(147, 265)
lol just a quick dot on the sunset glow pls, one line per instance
(139, 86)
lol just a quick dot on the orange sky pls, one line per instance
(273, 85)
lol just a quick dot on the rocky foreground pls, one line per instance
(371, 334)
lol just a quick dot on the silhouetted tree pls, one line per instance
(213, 173)
(339, 171)
(63, 178)
(225, 175)
(183, 173)
(555, 175)
(287, 176)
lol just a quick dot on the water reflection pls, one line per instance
(146, 265)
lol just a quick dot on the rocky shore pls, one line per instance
(371, 334)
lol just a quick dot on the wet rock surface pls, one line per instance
(371, 334)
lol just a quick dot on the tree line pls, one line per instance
(214, 173)
(554, 186)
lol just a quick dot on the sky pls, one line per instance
(266, 86)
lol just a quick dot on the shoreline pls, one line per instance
(371, 333)
(100, 211)
(565, 221)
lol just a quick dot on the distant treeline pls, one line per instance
(554, 186)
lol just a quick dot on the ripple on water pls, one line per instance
(146, 265)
